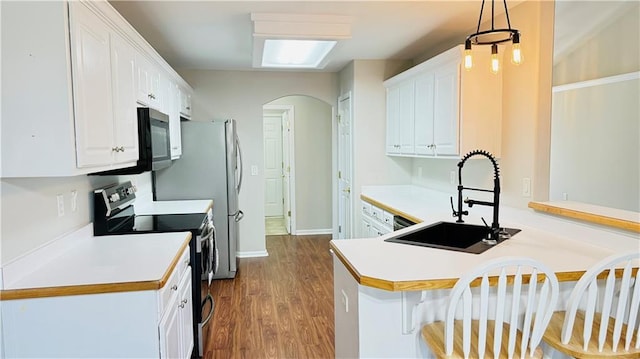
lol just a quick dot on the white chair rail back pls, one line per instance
(540, 298)
(623, 299)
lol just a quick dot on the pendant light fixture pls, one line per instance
(493, 37)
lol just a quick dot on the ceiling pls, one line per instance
(217, 35)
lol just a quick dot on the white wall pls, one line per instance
(371, 166)
(30, 213)
(241, 95)
(312, 131)
(594, 125)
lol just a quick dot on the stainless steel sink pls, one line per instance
(461, 237)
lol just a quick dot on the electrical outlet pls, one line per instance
(345, 301)
(526, 187)
(419, 172)
(452, 177)
(60, 199)
(74, 200)
(565, 196)
(254, 170)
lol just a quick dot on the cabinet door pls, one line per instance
(90, 64)
(185, 103)
(406, 111)
(169, 330)
(147, 82)
(424, 114)
(174, 121)
(366, 227)
(393, 118)
(125, 121)
(185, 315)
(446, 109)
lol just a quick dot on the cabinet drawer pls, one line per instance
(376, 213)
(171, 287)
(387, 219)
(366, 207)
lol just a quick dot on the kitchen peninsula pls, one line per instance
(384, 291)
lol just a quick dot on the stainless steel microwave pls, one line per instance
(154, 144)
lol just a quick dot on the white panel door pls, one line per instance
(406, 121)
(273, 166)
(393, 119)
(345, 214)
(287, 141)
(93, 107)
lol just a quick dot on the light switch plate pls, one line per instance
(526, 187)
(60, 200)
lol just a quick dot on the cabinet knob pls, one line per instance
(121, 149)
(114, 149)
(185, 301)
(188, 108)
(175, 287)
(181, 306)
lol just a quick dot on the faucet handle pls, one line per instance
(453, 209)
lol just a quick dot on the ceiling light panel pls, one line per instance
(296, 40)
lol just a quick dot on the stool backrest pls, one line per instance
(624, 299)
(538, 299)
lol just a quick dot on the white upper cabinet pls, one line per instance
(400, 118)
(450, 111)
(91, 67)
(148, 83)
(77, 73)
(173, 110)
(124, 104)
(185, 103)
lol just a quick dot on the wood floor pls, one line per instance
(280, 306)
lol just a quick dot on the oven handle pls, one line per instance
(208, 298)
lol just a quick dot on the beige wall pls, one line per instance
(588, 134)
(241, 95)
(312, 131)
(29, 216)
(526, 110)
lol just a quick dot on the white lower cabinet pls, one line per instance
(376, 222)
(135, 324)
(176, 325)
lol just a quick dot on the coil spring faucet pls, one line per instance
(495, 227)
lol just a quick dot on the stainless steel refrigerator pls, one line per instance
(210, 168)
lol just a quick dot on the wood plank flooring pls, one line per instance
(279, 306)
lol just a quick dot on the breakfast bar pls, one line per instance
(385, 291)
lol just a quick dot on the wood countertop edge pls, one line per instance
(585, 216)
(447, 283)
(389, 209)
(67, 290)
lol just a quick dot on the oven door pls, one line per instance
(208, 251)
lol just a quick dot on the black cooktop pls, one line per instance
(126, 223)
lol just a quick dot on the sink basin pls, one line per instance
(460, 237)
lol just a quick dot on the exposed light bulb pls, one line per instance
(468, 60)
(516, 52)
(495, 62)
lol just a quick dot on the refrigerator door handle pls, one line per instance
(238, 216)
(240, 164)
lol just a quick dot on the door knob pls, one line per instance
(347, 190)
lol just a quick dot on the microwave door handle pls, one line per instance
(240, 164)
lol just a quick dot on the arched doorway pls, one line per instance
(297, 137)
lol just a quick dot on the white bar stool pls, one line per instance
(521, 302)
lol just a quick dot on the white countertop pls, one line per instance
(172, 207)
(563, 246)
(80, 259)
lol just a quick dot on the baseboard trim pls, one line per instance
(252, 254)
(310, 232)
